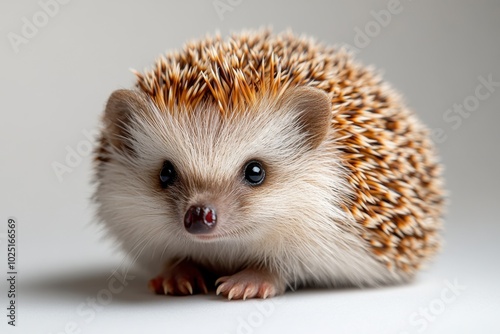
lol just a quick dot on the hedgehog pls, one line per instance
(265, 162)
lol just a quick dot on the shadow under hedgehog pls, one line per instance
(263, 162)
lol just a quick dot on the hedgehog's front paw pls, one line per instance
(250, 283)
(179, 280)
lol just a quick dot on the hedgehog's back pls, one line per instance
(237, 70)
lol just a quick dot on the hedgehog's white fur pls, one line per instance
(295, 227)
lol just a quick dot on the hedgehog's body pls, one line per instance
(281, 163)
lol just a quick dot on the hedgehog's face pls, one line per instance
(200, 176)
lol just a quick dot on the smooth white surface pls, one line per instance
(51, 295)
(53, 91)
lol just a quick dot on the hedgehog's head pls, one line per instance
(203, 176)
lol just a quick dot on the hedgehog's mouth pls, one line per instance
(207, 237)
(221, 235)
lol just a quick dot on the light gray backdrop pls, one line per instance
(61, 60)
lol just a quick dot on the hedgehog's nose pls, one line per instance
(200, 219)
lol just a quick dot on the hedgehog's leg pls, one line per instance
(250, 283)
(179, 279)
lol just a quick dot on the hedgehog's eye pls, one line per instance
(254, 173)
(167, 174)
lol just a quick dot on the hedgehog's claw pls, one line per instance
(249, 283)
(180, 280)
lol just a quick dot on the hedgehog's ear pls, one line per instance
(314, 111)
(121, 106)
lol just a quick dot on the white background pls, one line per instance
(53, 90)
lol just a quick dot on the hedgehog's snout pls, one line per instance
(200, 219)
